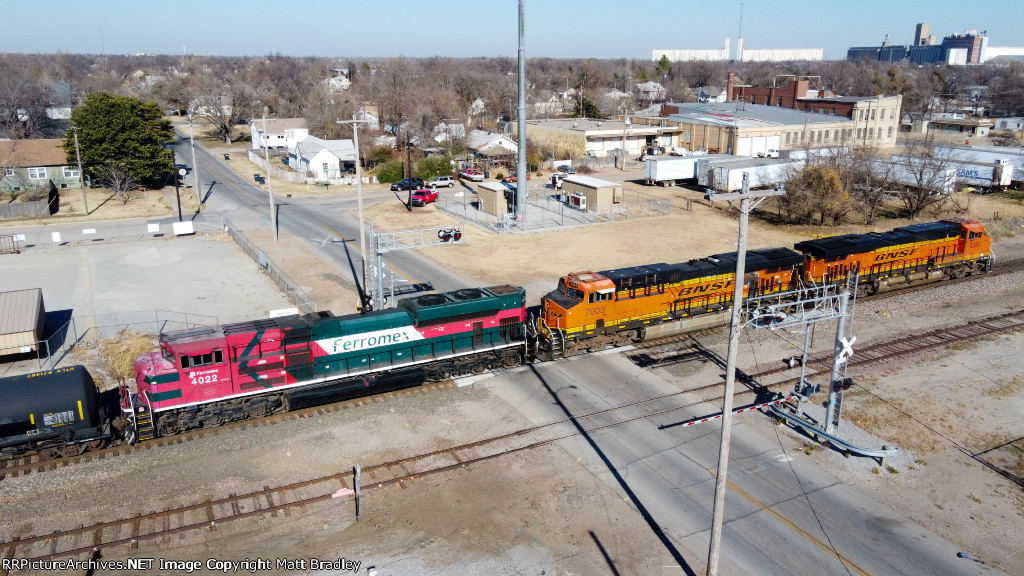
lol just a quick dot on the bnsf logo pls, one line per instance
(702, 288)
(895, 255)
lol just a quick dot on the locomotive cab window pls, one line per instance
(601, 296)
(973, 235)
(215, 357)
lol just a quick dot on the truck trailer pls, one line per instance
(672, 170)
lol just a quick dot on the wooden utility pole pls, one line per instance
(81, 175)
(718, 512)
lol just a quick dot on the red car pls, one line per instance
(513, 178)
(423, 197)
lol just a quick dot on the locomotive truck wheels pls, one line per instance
(49, 453)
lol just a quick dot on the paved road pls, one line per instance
(783, 516)
(321, 222)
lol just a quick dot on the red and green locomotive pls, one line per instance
(206, 376)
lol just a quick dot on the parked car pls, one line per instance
(423, 197)
(408, 184)
(442, 181)
(556, 180)
(566, 168)
(472, 175)
(513, 178)
(771, 153)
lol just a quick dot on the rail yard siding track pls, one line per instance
(27, 464)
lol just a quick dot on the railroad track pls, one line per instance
(30, 463)
(275, 501)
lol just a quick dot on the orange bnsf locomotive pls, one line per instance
(590, 310)
(908, 255)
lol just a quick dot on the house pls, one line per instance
(490, 146)
(370, 116)
(212, 106)
(278, 132)
(649, 92)
(442, 132)
(32, 164)
(322, 159)
(710, 94)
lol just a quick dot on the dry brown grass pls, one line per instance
(121, 352)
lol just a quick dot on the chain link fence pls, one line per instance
(297, 295)
(90, 330)
(545, 210)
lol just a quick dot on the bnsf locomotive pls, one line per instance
(206, 376)
(590, 310)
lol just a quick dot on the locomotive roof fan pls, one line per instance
(431, 299)
(468, 294)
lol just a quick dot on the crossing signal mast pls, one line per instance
(381, 297)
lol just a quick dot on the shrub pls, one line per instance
(391, 171)
(499, 176)
(584, 169)
(433, 166)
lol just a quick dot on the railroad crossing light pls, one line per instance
(449, 235)
(844, 384)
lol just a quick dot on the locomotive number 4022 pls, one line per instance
(595, 311)
(204, 379)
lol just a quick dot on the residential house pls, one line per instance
(32, 164)
(278, 132)
(442, 132)
(490, 147)
(322, 159)
(649, 92)
(710, 94)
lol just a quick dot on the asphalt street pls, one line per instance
(783, 515)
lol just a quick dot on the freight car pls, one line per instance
(56, 413)
(912, 254)
(206, 376)
(590, 310)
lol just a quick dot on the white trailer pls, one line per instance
(762, 173)
(997, 175)
(706, 166)
(939, 180)
(671, 170)
(974, 155)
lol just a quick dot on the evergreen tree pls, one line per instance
(124, 132)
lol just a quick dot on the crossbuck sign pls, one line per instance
(847, 348)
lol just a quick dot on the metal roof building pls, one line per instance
(22, 321)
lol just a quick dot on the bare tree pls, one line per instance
(119, 180)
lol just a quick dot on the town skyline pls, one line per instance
(460, 28)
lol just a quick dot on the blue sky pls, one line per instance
(464, 28)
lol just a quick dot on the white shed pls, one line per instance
(22, 321)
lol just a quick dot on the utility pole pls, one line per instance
(521, 181)
(270, 183)
(195, 167)
(177, 192)
(622, 159)
(81, 175)
(746, 206)
(359, 200)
